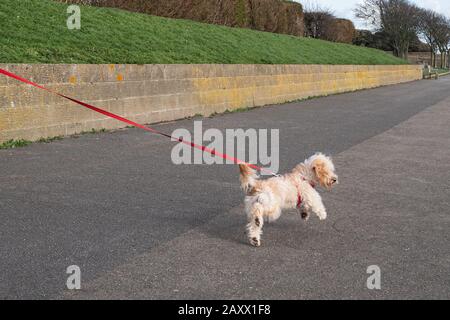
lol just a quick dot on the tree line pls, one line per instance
(400, 24)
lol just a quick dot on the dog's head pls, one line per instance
(323, 170)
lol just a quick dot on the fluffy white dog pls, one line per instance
(265, 199)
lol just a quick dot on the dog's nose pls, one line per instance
(334, 180)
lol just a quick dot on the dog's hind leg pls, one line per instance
(304, 214)
(255, 224)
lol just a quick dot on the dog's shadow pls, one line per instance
(229, 226)
(289, 231)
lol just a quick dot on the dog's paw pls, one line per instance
(323, 216)
(304, 215)
(255, 242)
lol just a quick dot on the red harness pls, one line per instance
(300, 199)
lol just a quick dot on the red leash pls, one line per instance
(137, 125)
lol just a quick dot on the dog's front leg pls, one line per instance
(313, 204)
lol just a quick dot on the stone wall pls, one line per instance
(155, 93)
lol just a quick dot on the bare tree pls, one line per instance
(428, 30)
(443, 39)
(318, 20)
(435, 29)
(399, 19)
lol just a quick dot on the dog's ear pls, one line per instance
(320, 171)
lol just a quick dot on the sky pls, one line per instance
(344, 8)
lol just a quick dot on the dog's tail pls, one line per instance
(248, 179)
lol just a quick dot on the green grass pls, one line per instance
(92, 131)
(442, 71)
(12, 144)
(50, 139)
(34, 31)
(19, 143)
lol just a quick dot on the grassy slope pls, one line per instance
(34, 31)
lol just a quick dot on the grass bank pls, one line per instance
(35, 31)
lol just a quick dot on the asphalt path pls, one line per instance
(141, 227)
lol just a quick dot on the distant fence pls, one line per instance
(424, 58)
(155, 93)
